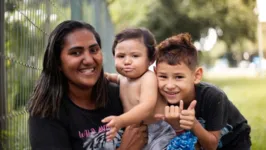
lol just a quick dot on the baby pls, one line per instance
(134, 52)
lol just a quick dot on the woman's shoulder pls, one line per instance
(112, 86)
(113, 90)
(114, 102)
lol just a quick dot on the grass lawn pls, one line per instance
(249, 95)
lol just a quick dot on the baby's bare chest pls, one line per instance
(130, 94)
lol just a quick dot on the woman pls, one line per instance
(72, 95)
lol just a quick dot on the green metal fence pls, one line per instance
(24, 29)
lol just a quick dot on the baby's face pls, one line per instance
(176, 82)
(131, 59)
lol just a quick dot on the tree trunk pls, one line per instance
(232, 62)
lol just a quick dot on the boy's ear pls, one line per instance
(198, 75)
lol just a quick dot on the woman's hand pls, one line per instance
(135, 137)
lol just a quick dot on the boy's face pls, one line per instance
(131, 59)
(176, 82)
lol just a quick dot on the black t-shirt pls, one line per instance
(215, 112)
(76, 128)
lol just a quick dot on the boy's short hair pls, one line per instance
(137, 33)
(177, 49)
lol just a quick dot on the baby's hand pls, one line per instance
(114, 123)
(112, 77)
(187, 117)
(107, 76)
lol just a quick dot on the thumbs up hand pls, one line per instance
(187, 116)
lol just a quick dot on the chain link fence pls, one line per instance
(24, 29)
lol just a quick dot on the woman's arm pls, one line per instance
(47, 133)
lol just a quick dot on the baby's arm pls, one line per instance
(148, 98)
(147, 101)
(112, 77)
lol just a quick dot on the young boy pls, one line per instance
(134, 52)
(215, 121)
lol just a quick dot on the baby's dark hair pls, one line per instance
(177, 49)
(137, 33)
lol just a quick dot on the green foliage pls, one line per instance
(16, 136)
(27, 25)
(234, 21)
(171, 17)
(248, 94)
(4, 134)
(129, 13)
(20, 46)
(205, 59)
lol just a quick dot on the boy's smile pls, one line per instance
(171, 95)
(175, 82)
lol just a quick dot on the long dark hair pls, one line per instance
(52, 85)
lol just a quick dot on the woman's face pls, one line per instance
(81, 59)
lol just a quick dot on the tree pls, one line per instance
(129, 13)
(234, 21)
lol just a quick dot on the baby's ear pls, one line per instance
(154, 69)
(152, 62)
(198, 75)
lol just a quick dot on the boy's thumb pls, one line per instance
(192, 105)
